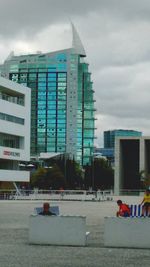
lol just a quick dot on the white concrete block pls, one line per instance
(127, 232)
(57, 230)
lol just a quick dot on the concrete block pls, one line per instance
(57, 230)
(127, 232)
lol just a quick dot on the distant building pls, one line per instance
(132, 155)
(109, 143)
(107, 153)
(62, 99)
(109, 136)
(15, 102)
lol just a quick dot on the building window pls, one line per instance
(11, 118)
(8, 140)
(14, 99)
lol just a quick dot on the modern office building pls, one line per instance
(132, 155)
(15, 103)
(109, 136)
(62, 99)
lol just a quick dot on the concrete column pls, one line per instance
(117, 167)
(142, 154)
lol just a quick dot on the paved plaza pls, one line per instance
(15, 250)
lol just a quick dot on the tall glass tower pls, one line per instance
(62, 103)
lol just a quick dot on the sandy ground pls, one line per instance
(15, 250)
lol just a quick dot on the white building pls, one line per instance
(15, 101)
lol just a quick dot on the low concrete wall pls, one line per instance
(57, 230)
(127, 232)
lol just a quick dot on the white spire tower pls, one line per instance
(76, 42)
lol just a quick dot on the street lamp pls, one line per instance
(21, 165)
(92, 169)
(30, 165)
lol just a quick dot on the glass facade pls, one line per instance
(53, 77)
(48, 101)
(109, 136)
(85, 114)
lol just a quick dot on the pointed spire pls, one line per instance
(10, 55)
(76, 42)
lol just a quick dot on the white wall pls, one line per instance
(127, 232)
(14, 176)
(57, 230)
(23, 131)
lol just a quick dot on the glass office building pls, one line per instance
(62, 103)
(109, 136)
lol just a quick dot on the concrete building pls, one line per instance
(132, 155)
(62, 99)
(15, 103)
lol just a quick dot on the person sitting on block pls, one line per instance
(124, 210)
(146, 206)
(46, 210)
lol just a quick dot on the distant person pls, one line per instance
(61, 190)
(146, 201)
(124, 210)
(46, 210)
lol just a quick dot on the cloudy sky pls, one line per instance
(116, 37)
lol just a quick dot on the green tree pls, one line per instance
(103, 174)
(47, 178)
(71, 170)
(88, 176)
(37, 178)
(74, 174)
(144, 178)
(99, 174)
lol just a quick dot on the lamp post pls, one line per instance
(92, 169)
(48, 167)
(92, 166)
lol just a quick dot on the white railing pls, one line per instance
(131, 192)
(78, 195)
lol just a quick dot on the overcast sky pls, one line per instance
(116, 37)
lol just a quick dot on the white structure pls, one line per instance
(132, 155)
(57, 230)
(127, 232)
(76, 42)
(15, 101)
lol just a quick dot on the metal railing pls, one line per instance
(133, 192)
(76, 195)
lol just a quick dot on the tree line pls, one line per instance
(68, 174)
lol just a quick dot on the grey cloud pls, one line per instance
(124, 92)
(105, 123)
(116, 37)
(117, 44)
(31, 16)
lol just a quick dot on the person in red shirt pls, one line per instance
(124, 210)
